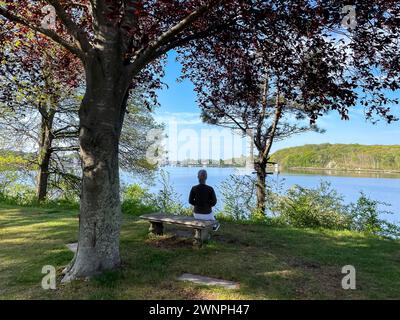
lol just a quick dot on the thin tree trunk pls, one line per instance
(261, 171)
(44, 157)
(43, 178)
(101, 117)
(264, 148)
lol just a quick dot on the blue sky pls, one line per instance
(179, 108)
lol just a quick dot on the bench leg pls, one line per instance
(156, 228)
(200, 236)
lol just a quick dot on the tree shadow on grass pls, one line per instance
(268, 262)
(288, 263)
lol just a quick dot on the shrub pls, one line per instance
(240, 202)
(136, 200)
(14, 190)
(365, 215)
(239, 197)
(167, 200)
(7, 180)
(321, 207)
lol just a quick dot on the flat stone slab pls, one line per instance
(72, 246)
(208, 281)
(179, 220)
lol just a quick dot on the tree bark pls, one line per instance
(261, 171)
(101, 117)
(44, 157)
(264, 148)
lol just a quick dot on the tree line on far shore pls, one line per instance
(340, 157)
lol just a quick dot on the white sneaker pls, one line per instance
(216, 226)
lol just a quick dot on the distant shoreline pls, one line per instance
(284, 169)
(202, 165)
(288, 169)
(350, 158)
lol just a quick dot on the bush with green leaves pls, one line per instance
(365, 217)
(16, 190)
(19, 194)
(238, 192)
(167, 200)
(301, 207)
(240, 201)
(136, 200)
(12, 191)
(321, 207)
(7, 180)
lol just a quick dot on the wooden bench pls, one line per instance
(201, 228)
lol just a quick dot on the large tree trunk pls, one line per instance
(261, 171)
(45, 144)
(101, 117)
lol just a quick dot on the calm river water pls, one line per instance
(383, 188)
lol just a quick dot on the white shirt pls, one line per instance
(209, 216)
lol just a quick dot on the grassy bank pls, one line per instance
(269, 262)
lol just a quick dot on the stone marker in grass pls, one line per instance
(208, 281)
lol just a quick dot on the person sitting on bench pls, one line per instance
(202, 197)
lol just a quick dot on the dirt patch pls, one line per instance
(195, 294)
(318, 279)
(169, 242)
(188, 293)
(229, 240)
(304, 264)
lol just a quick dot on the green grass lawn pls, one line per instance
(268, 262)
